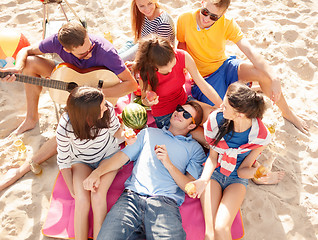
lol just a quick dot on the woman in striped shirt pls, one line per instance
(147, 17)
(87, 134)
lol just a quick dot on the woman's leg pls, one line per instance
(82, 200)
(99, 201)
(210, 201)
(231, 201)
(47, 150)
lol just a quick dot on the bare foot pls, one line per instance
(12, 175)
(25, 126)
(298, 122)
(270, 178)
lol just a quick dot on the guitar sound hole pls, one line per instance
(71, 86)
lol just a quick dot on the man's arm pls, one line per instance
(259, 62)
(127, 85)
(206, 88)
(114, 163)
(208, 169)
(21, 61)
(180, 179)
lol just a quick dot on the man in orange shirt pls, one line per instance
(204, 32)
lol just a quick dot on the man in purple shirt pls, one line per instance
(75, 46)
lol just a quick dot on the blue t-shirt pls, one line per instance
(103, 54)
(149, 175)
(234, 140)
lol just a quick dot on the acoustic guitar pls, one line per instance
(66, 77)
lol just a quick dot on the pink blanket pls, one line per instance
(59, 222)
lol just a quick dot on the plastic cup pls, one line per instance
(19, 145)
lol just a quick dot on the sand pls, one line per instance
(284, 32)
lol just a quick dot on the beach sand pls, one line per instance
(285, 32)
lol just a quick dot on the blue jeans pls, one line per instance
(128, 52)
(225, 181)
(163, 120)
(134, 216)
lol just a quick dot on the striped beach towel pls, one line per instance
(259, 136)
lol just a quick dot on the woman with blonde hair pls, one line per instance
(147, 17)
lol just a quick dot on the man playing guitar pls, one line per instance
(75, 46)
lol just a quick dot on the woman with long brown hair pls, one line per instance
(237, 136)
(88, 133)
(161, 70)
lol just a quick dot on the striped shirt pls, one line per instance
(70, 148)
(162, 26)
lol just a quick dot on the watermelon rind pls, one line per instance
(134, 116)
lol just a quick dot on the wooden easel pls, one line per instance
(51, 27)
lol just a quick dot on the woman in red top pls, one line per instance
(162, 70)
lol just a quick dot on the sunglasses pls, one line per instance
(83, 55)
(205, 12)
(186, 114)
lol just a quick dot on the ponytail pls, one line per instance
(243, 100)
(153, 52)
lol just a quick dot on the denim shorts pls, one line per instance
(225, 181)
(164, 120)
(128, 52)
(94, 165)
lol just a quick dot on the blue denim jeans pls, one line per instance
(134, 216)
(163, 120)
(225, 181)
(128, 52)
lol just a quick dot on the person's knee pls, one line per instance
(38, 66)
(82, 201)
(248, 72)
(221, 230)
(30, 65)
(98, 199)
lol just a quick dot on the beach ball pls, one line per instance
(11, 43)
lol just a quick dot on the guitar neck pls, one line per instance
(50, 83)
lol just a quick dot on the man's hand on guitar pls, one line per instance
(11, 77)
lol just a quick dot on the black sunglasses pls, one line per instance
(205, 12)
(186, 114)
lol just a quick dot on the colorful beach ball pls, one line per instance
(11, 43)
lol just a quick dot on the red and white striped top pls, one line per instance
(259, 136)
